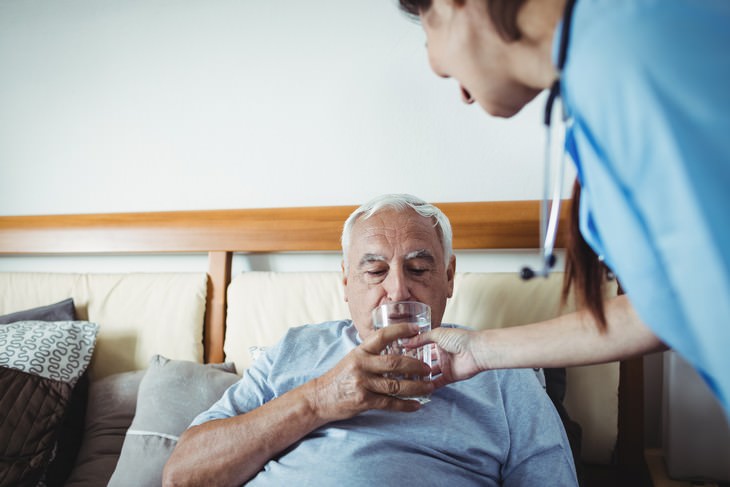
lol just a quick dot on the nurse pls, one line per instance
(645, 84)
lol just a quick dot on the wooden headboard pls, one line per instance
(221, 233)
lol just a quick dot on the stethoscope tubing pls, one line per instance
(550, 213)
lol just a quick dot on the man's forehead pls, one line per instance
(395, 224)
(414, 236)
(407, 239)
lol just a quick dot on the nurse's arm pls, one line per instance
(572, 339)
(569, 340)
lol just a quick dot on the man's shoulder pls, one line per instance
(319, 332)
(303, 345)
(335, 326)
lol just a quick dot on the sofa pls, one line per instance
(161, 347)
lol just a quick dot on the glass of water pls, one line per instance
(406, 312)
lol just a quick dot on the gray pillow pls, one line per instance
(112, 401)
(171, 394)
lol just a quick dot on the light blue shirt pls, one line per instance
(498, 428)
(647, 83)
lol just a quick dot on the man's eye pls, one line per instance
(418, 271)
(374, 273)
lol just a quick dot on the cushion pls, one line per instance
(61, 311)
(69, 439)
(40, 364)
(263, 305)
(141, 313)
(171, 394)
(112, 402)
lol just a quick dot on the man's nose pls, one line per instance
(396, 286)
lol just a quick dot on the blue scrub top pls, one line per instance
(647, 83)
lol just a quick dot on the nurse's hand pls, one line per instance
(457, 351)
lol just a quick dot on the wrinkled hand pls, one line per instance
(455, 350)
(357, 383)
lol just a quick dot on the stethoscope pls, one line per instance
(554, 149)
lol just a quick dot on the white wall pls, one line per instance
(142, 105)
(135, 105)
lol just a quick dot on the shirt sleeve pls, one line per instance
(250, 392)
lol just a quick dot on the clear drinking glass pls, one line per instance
(406, 312)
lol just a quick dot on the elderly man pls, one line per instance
(318, 409)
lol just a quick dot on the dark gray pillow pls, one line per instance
(61, 311)
(171, 394)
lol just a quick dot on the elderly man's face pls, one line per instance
(396, 256)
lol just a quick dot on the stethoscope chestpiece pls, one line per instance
(527, 273)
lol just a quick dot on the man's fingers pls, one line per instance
(387, 392)
(394, 403)
(398, 365)
(400, 388)
(402, 405)
(440, 381)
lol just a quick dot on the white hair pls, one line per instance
(400, 202)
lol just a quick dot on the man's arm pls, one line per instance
(231, 451)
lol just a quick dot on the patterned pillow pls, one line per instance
(40, 362)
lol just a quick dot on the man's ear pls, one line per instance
(450, 273)
(344, 279)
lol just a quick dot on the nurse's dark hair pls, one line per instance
(503, 14)
(584, 271)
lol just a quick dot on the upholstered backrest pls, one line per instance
(263, 305)
(139, 314)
